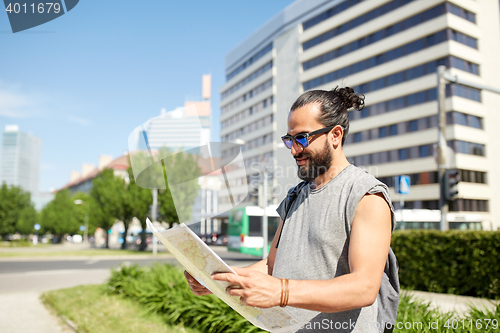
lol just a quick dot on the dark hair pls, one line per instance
(334, 105)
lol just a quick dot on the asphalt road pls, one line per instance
(87, 264)
(42, 274)
(59, 264)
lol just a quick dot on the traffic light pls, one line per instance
(451, 179)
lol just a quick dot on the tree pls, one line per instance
(16, 211)
(108, 197)
(28, 217)
(59, 216)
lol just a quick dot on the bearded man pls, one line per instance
(330, 262)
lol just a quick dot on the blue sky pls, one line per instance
(84, 81)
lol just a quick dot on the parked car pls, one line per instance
(222, 240)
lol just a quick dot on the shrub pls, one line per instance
(453, 262)
(163, 289)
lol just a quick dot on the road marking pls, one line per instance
(91, 261)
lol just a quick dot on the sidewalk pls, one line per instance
(455, 303)
(21, 309)
(24, 312)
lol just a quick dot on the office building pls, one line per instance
(20, 159)
(184, 128)
(389, 51)
(187, 128)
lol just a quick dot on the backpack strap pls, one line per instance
(290, 198)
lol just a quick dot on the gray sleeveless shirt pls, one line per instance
(314, 245)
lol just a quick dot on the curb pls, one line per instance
(70, 324)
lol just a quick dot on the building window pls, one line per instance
(329, 13)
(464, 147)
(377, 12)
(403, 154)
(357, 137)
(423, 151)
(250, 61)
(475, 122)
(364, 113)
(382, 133)
(413, 126)
(374, 37)
(465, 14)
(468, 205)
(411, 153)
(393, 130)
(247, 80)
(399, 52)
(419, 98)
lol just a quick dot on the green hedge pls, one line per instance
(453, 262)
(162, 289)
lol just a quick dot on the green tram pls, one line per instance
(245, 229)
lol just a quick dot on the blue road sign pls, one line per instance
(403, 184)
(37, 226)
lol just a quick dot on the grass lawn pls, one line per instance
(93, 311)
(22, 243)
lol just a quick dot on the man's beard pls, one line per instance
(318, 164)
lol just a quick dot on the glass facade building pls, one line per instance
(20, 159)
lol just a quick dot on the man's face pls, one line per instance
(315, 159)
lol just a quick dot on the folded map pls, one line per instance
(201, 261)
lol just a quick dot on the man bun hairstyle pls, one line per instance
(334, 105)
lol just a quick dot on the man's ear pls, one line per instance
(337, 133)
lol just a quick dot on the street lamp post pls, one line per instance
(441, 145)
(86, 231)
(265, 221)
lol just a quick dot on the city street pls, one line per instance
(23, 280)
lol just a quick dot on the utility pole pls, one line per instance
(153, 216)
(264, 215)
(441, 146)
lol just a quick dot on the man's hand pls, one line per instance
(195, 286)
(253, 287)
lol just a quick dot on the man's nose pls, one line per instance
(296, 149)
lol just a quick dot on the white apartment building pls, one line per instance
(20, 159)
(389, 51)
